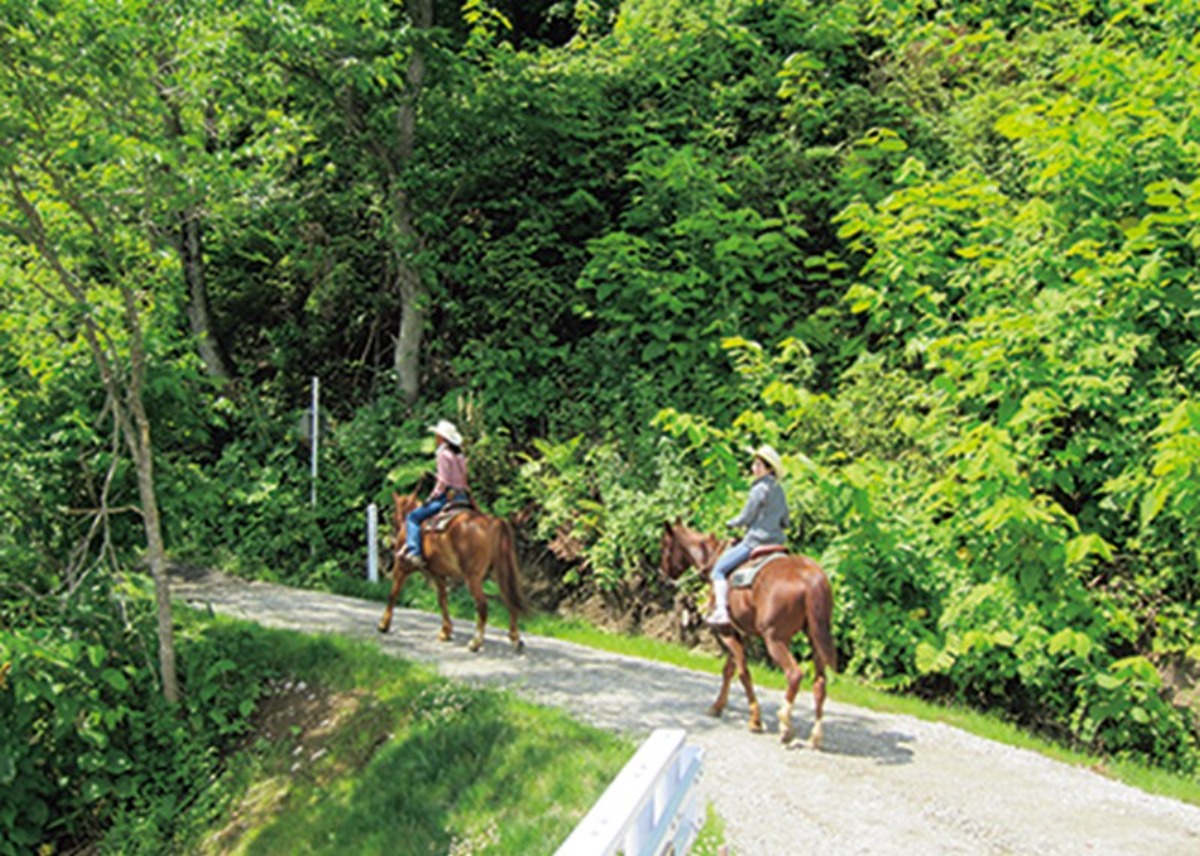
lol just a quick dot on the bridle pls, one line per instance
(700, 553)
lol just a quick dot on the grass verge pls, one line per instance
(354, 751)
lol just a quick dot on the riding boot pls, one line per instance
(720, 613)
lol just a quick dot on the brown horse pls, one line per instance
(472, 544)
(789, 594)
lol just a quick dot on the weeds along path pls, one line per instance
(882, 784)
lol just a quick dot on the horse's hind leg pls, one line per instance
(447, 630)
(514, 632)
(475, 584)
(818, 731)
(781, 653)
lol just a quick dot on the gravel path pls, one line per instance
(882, 783)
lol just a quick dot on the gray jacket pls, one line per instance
(765, 516)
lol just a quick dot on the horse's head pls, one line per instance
(405, 504)
(682, 548)
(679, 549)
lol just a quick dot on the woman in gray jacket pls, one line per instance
(764, 517)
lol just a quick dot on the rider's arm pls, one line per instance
(758, 495)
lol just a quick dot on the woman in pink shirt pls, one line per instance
(451, 486)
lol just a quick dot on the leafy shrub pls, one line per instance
(88, 735)
(597, 511)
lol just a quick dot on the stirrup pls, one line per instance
(718, 618)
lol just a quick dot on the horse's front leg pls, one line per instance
(718, 706)
(399, 575)
(736, 662)
(447, 629)
(751, 699)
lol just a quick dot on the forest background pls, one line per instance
(942, 256)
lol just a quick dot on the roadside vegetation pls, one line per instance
(285, 743)
(942, 256)
(351, 751)
(843, 688)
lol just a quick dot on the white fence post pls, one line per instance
(314, 457)
(650, 809)
(373, 543)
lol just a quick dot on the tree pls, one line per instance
(187, 232)
(358, 71)
(104, 172)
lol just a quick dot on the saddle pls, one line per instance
(443, 518)
(743, 576)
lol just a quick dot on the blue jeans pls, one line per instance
(412, 534)
(729, 560)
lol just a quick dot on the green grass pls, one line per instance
(841, 688)
(376, 755)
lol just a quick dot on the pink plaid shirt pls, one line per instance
(451, 471)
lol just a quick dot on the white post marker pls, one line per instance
(315, 438)
(373, 543)
(650, 809)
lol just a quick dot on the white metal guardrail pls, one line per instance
(651, 807)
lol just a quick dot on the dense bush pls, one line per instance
(88, 737)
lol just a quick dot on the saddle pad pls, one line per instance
(744, 576)
(442, 519)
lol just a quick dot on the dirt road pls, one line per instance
(882, 784)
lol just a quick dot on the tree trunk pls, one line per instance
(412, 317)
(188, 239)
(190, 244)
(125, 398)
(142, 450)
(413, 295)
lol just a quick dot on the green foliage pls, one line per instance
(942, 256)
(88, 736)
(599, 513)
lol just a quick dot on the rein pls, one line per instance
(703, 552)
(708, 552)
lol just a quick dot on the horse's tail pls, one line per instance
(820, 619)
(505, 564)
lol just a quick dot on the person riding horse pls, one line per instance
(467, 546)
(764, 517)
(451, 486)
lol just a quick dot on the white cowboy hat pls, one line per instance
(771, 458)
(446, 430)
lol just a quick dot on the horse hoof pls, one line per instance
(383, 628)
(756, 728)
(444, 636)
(518, 646)
(715, 712)
(475, 645)
(787, 737)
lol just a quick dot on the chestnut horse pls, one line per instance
(472, 544)
(789, 594)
